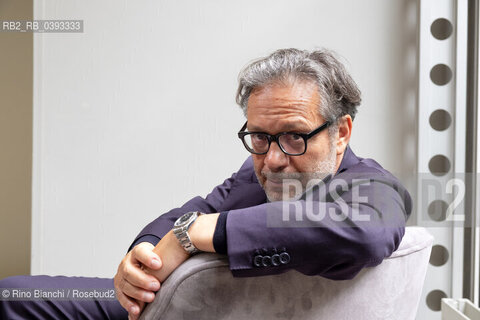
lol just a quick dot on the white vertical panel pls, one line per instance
(451, 97)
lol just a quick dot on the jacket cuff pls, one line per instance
(146, 238)
(220, 234)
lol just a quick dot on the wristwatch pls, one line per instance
(180, 229)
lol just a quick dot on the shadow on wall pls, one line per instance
(407, 70)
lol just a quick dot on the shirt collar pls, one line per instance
(349, 159)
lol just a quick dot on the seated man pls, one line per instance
(302, 201)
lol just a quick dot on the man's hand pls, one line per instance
(172, 254)
(133, 286)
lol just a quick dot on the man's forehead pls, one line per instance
(285, 97)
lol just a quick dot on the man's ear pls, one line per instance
(344, 133)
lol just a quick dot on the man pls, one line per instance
(302, 201)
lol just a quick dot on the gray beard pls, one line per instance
(295, 184)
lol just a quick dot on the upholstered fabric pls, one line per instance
(204, 288)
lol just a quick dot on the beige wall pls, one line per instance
(16, 89)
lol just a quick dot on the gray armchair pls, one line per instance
(204, 288)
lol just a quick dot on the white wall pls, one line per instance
(136, 115)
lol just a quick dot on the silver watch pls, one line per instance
(180, 229)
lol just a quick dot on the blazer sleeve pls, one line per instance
(353, 221)
(212, 203)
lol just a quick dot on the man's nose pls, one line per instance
(276, 159)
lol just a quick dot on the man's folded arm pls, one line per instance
(156, 229)
(212, 203)
(334, 239)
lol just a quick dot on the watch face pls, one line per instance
(184, 218)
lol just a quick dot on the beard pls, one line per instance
(291, 186)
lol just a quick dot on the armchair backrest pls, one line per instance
(204, 288)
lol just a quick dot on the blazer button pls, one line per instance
(284, 258)
(267, 261)
(257, 261)
(276, 259)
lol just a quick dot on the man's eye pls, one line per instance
(259, 137)
(294, 137)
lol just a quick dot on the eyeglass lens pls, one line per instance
(290, 142)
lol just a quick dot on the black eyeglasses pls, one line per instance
(291, 143)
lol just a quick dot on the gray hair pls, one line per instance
(339, 93)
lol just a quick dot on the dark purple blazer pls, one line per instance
(353, 220)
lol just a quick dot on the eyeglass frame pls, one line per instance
(275, 137)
